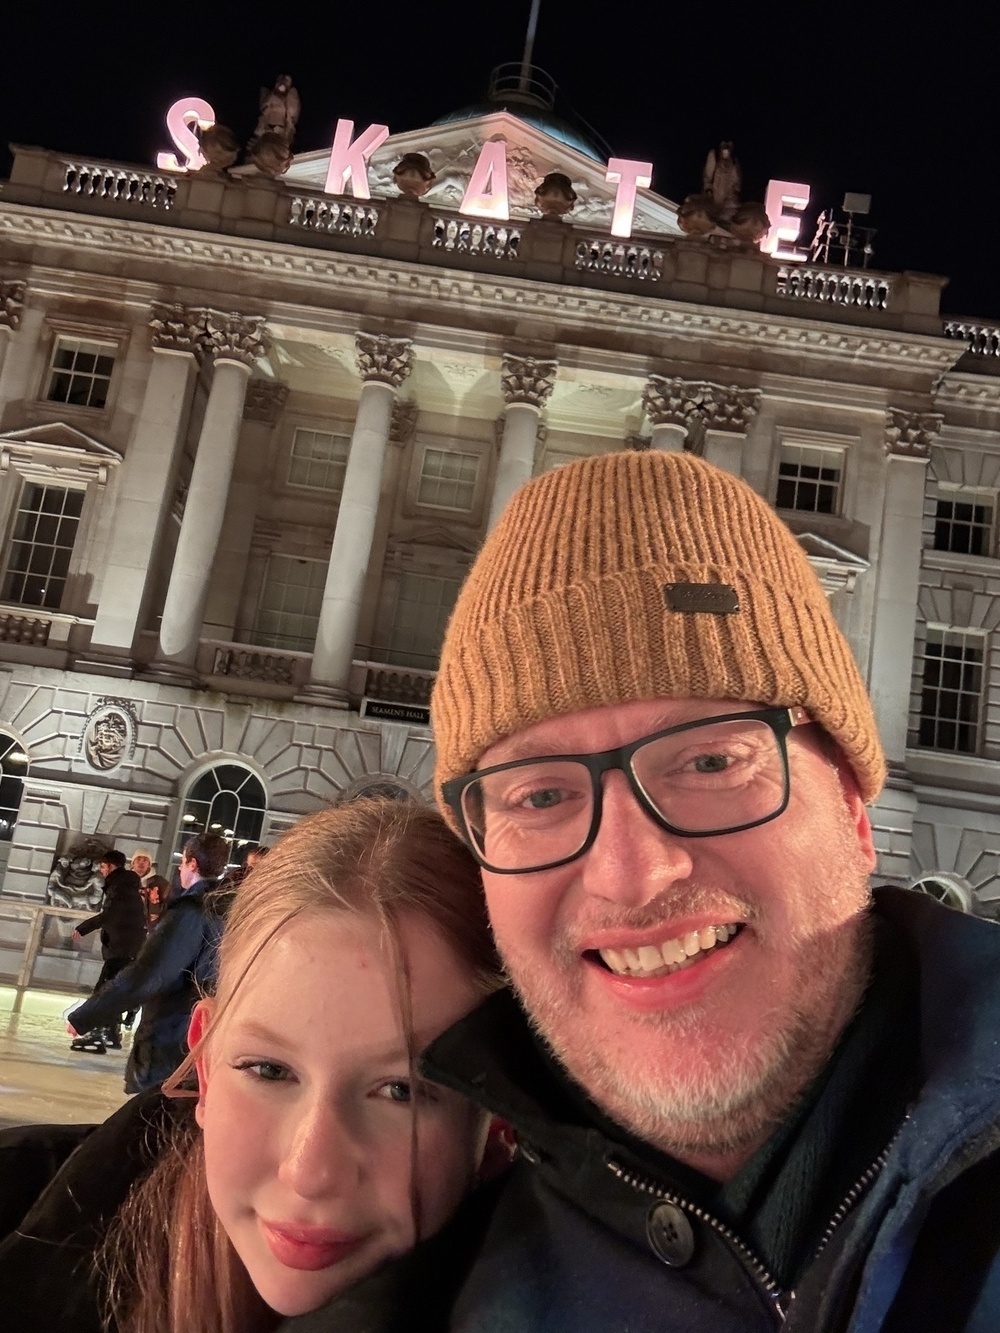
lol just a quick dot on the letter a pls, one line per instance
(349, 161)
(486, 196)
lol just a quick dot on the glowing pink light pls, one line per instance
(486, 195)
(349, 160)
(784, 204)
(182, 118)
(629, 176)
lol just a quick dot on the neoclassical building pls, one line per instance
(252, 434)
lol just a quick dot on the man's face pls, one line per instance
(141, 865)
(106, 868)
(189, 873)
(702, 1061)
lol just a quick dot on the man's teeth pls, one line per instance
(655, 959)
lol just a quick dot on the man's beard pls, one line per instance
(730, 1102)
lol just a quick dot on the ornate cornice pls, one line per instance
(671, 402)
(265, 400)
(911, 434)
(383, 359)
(232, 336)
(728, 407)
(527, 379)
(176, 328)
(403, 422)
(11, 303)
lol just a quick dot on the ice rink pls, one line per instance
(41, 1079)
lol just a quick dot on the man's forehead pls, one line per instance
(603, 727)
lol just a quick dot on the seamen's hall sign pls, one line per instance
(486, 195)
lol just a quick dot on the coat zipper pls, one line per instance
(777, 1297)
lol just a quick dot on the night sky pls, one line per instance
(868, 98)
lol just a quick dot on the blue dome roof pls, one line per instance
(540, 117)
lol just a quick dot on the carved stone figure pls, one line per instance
(722, 180)
(910, 434)
(219, 147)
(696, 216)
(750, 223)
(384, 359)
(527, 379)
(270, 147)
(106, 740)
(555, 196)
(75, 881)
(413, 176)
(11, 304)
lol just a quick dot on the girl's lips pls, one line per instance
(308, 1248)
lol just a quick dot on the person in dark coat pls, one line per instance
(122, 923)
(173, 969)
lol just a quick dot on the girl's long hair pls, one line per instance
(167, 1265)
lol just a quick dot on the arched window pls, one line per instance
(947, 889)
(228, 800)
(13, 770)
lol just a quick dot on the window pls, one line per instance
(13, 770)
(228, 800)
(809, 479)
(963, 522)
(80, 372)
(952, 691)
(319, 460)
(423, 605)
(290, 602)
(45, 528)
(448, 480)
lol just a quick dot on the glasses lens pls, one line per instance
(529, 814)
(709, 779)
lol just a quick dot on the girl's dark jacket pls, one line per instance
(122, 918)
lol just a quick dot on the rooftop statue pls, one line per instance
(717, 208)
(270, 146)
(722, 180)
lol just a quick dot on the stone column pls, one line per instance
(909, 436)
(11, 309)
(144, 489)
(727, 412)
(671, 405)
(234, 342)
(526, 384)
(264, 404)
(384, 363)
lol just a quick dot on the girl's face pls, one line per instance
(316, 1136)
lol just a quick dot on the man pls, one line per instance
(154, 887)
(122, 923)
(745, 1096)
(167, 978)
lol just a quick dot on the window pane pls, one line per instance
(44, 532)
(951, 695)
(448, 480)
(80, 372)
(423, 605)
(318, 460)
(809, 479)
(290, 602)
(964, 526)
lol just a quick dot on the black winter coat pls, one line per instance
(175, 967)
(122, 918)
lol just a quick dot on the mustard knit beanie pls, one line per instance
(642, 576)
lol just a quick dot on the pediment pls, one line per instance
(836, 568)
(453, 148)
(436, 536)
(60, 437)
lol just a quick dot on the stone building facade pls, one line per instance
(252, 435)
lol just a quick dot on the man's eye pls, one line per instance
(268, 1071)
(712, 763)
(543, 799)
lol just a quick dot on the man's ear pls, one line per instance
(201, 1021)
(856, 809)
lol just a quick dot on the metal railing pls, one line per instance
(38, 952)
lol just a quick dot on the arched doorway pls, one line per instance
(13, 771)
(227, 799)
(948, 889)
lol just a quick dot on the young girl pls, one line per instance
(310, 1151)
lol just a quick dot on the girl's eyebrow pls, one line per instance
(253, 1030)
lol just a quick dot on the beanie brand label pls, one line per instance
(717, 599)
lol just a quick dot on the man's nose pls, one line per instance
(632, 860)
(321, 1156)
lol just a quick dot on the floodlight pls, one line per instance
(857, 203)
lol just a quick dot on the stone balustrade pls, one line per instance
(30, 630)
(982, 339)
(860, 290)
(399, 684)
(682, 269)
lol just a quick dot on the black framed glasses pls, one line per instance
(697, 780)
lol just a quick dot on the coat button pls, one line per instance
(670, 1235)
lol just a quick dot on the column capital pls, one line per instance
(232, 336)
(175, 328)
(671, 401)
(527, 379)
(910, 434)
(404, 421)
(727, 407)
(11, 303)
(383, 360)
(265, 400)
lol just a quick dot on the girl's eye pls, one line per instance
(396, 1090)
(268, 1071)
